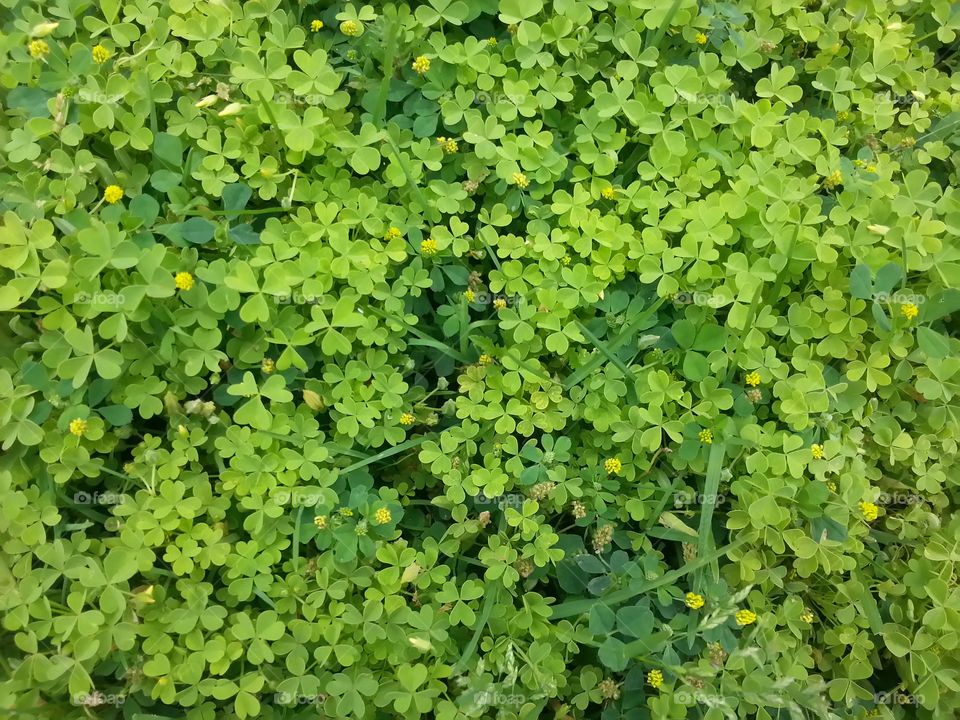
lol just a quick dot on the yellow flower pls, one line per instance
(655, 678)
(869, 510)
(858, 163)
(382, 516)
(485, 359)
(78, 427)
(694, 601)
(421, 64)
(831, 486)
(843, 116)
(706, 436)
(833, 180)
(100, 54)
(753, 379)
(316, 25)
(351, 28)
(429, 247)
(345, 512)
(701, 39)
(871, 168)
(449, 146)
(470, 295)
(406, 419)
(320, 521)
(520, 180)
(807, 616)
(512, 28)
(565, 259)
(38, 49)
(393, 234)
(492, 42)
(613, 466)
(113, 194)
(745, 617)
(183, 280)
(608, 193)
(499, 304)
(817, 451)
(268, 366)
(909, 311)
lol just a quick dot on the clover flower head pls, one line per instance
(316, 25)
(745, 617)
(753, 379)
(608, 193)
(701, 38)
(807, 615)
(78, 427)
(268, 366)
(38, 49)
(485, 359)
(705, 436)
(470, 295)
(100, 54)
(421, 64)
(393, 234)
(520, 180)
(694, 601)
(843, 116)
(609, 689)
(578, 509)
(602, 537)
(429, 247)
(351, 28)
(113, 194)
(407, 419)
(655, 679)
(382, 516)
(183, 281)
(320, 521)
(833, 180)
(909, 311)
(612, 466)
(816, 451)
(869, 510)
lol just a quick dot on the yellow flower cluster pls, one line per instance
(100, 54)
(701, 38)
(694, 601)
(499, 304)
(909, 311)
(817, 451)
(382, 516)
(393, 234)
(613, 466)
(320, 521)
(113, 194)
(38, 49)
(316, 25)
(608, 193)
(351, 28)
(448, 145)
(655, 678)
(520, 180)
(870, 511)
(406, 419)
(833, 180)
(706, 436)
(753, 379)
(429, 247)
(421, 64)
(183, 281)
(78, 427)
(745, 617)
